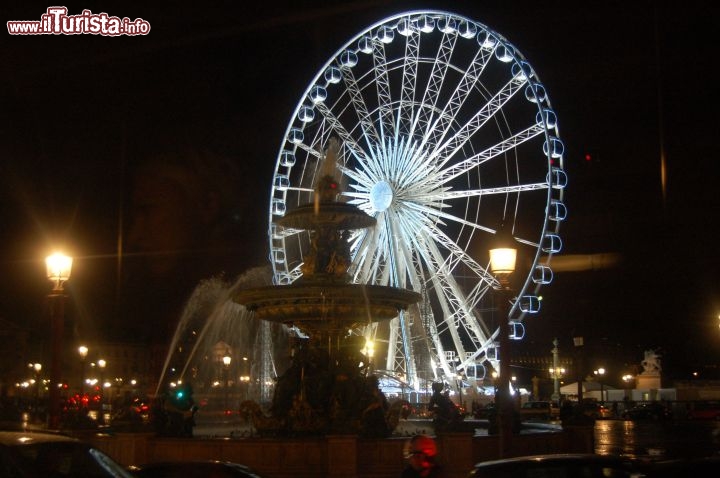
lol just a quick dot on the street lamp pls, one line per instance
(59, 267)
(627, 378)
(101, 365)
(83, 351)
(578, 342)
(37, 367)
(226, 362)
(502, 265)
(556, 372)
(599, 373)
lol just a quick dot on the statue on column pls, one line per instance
(651, 364)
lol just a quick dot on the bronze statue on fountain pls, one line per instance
(329, 388)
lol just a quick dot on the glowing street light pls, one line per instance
(600, 373)
(226, 362)
(83, 351)
(59, 267)
(502, 264)
(369, 352)
(556, 372)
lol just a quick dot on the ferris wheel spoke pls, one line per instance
(299, 189)
(284, 232)
(495, 151)
(367, 264)
(308, 149)
(458, 254)
(405, 113)
(440, 65)
(450, 299)
(364, 179)
(382, 83)
(407, 224)
(379, 263)
(336, 126)
(448, 149)
(449, 195)
(431, 254)
(370, 134)
(443, 124)
(431, 212)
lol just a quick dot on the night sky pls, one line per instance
(79, 114)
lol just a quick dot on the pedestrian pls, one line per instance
(421, 453)
(445, 412)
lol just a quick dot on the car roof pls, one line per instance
(191, 468)
(12, 438)
(556, 457)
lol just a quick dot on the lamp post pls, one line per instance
(578, 342)
(627, 378)
(556, 372)
(226, 365)
(83, 351)
(37, 367)
(502, 265)
(101, 363)
(58, 272)
(600, 373)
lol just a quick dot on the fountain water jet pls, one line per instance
(212, 326)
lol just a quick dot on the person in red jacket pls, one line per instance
(421, 453)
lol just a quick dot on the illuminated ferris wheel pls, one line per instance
(445, 133)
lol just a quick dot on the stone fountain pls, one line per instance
(329, 388)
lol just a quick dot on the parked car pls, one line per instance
(540, 409)
(557, 465)
(648, 411)
(596, 410)
(704, 411)
(193, 469)
(705, 466)
(39, 454)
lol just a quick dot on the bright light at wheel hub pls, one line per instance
(381, 196)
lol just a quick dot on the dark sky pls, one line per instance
(78, 113)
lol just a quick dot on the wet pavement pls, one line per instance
(671, 439)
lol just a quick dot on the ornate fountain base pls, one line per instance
(327, 393)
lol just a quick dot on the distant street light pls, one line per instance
(83, 351)
(226, 362)
(502, 265)
(556, 372)
(627, 378)
(59, 267)
(101, 365)
(37, 367)
(600, 373)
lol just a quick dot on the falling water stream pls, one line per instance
(213, 326)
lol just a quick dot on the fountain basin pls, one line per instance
(326, 305)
